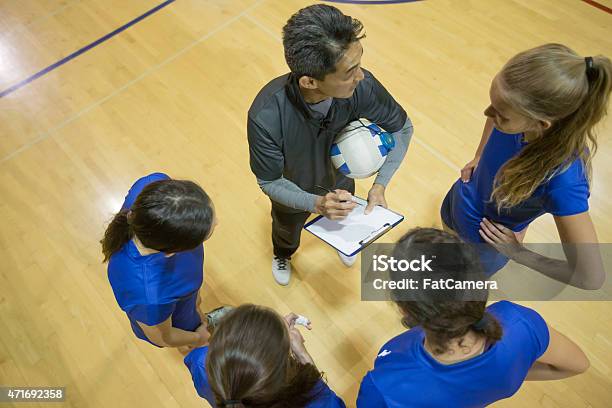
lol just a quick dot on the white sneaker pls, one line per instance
(281, 270)
(348, 261)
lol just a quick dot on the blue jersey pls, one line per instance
(406, 375)
(466, 204)
(151, 288)
(196, 362)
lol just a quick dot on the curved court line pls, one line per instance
(83, 50)
(379, 2)
(49, 132)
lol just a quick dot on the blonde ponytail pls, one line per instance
(552, 83)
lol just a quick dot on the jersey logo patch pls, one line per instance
(384, 353)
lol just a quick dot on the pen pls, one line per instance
(342, 201)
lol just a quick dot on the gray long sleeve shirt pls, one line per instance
(289, 194)
(289, 141)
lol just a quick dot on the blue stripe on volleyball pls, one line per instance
(344, 169)
(335, 150)
(383, 150)
(374, 129)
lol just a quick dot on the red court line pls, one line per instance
(598, 5)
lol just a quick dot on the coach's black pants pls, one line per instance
(287, 223)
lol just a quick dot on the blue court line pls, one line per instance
(372, 1)
(82, 50)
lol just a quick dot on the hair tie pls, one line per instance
(481, 324)
(231, 402)
(590, 70)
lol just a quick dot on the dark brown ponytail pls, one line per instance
(489, 327)
(116, 235)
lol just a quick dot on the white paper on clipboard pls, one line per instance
(357, 230)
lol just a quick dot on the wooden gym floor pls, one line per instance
(171, 94)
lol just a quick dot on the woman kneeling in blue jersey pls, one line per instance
(535, 158)
(256, 358)
(155, 259)
(459, 353)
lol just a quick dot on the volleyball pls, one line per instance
(360, 149)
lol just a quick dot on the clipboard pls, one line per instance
(352, 234)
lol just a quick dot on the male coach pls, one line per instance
(294, 119)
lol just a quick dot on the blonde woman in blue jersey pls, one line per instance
(535, 158)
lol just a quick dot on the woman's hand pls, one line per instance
(468, 169)
(297, 341)
(204, 335)
(503, 239)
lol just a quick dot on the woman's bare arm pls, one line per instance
(563, 358)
